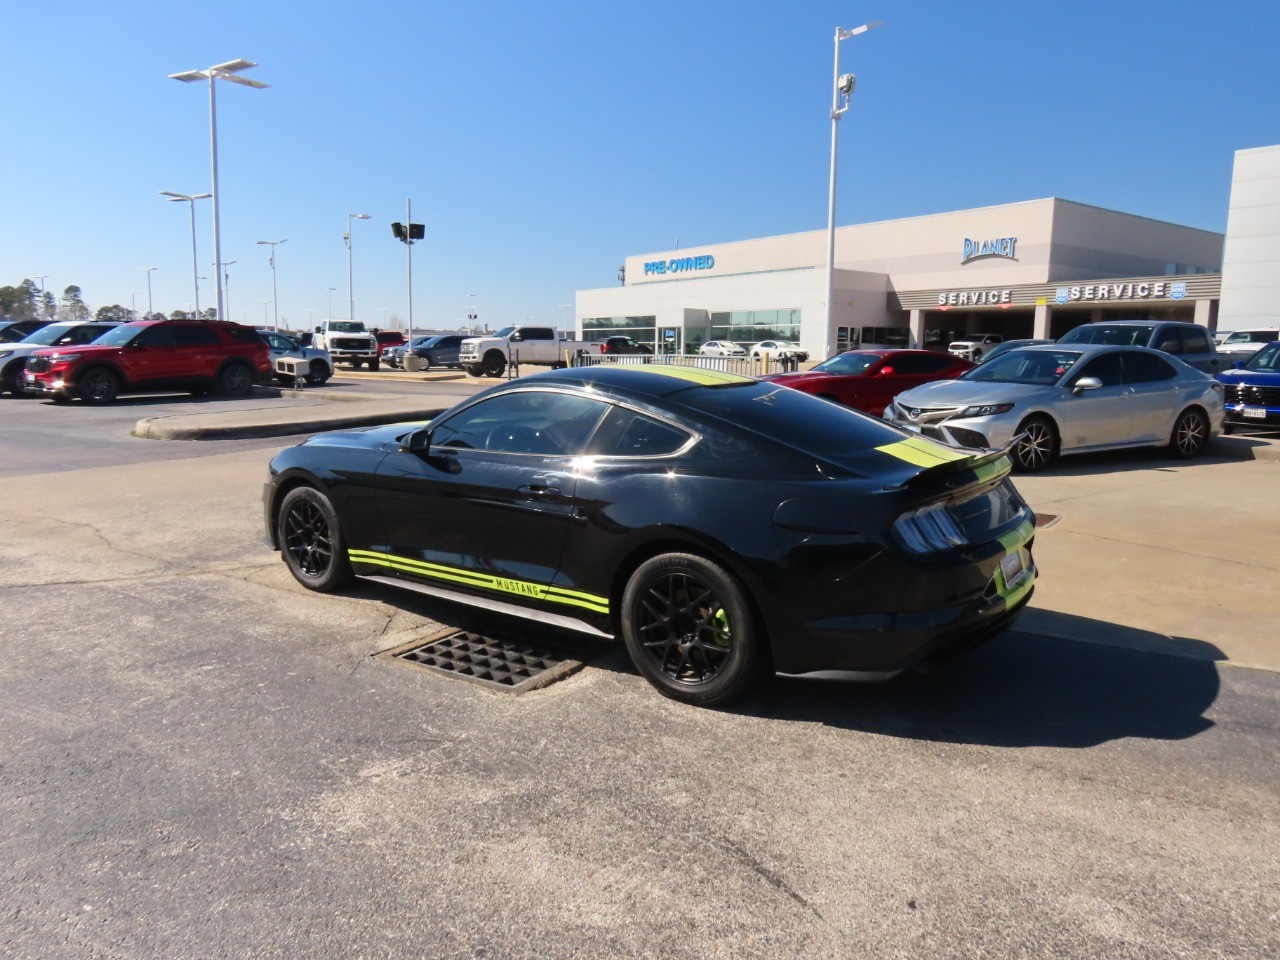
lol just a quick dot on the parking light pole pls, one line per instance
(223, 71)
(275, 296)
(351, 291)
(148, 270)
(190, 200)
(841, 92)
(226, 284)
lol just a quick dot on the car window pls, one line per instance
(918, 363)
(1170, 341)
(526, 421)
(161, 335)
(1032, 366)
(196, 337)
(847, 364)
(1106, 368)
(1116, 334)
(1194, 340)
(1142, 367)
(628, 433)
(1268, 359)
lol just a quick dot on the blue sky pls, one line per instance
(544, 142)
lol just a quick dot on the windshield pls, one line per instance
(120, 335)
(1042, 367)
(1266, 360)
(1116, 334)
(505, 332)
(848, 363)
(346, 326)
(1251, 336)
(46, 336)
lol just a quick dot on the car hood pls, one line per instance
(88, 348)
(1259, 378)
(26, 349)
(369, 438)
(945, 393)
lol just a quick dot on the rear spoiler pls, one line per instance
(948, 468)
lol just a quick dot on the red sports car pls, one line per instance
(868, 379)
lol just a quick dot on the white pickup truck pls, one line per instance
(347, 342)
(489, 356)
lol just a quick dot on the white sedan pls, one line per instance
(778, 349)
(721, 348)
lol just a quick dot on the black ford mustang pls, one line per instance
(723, 526)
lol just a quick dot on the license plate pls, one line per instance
(1012, 568)
(1256, 413)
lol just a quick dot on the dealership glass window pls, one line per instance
(643, 329)
(887, 336)
(752, 326)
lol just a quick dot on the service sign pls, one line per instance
(1147, 290)
(974, 298)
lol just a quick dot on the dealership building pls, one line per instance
(1030, 269)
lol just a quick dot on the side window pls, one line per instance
(158, 336)
(86, 334)
(539, 333)
(195, 337)
(626, 433)
(526, 421)
(918, 363)
(1194, 340)
(1106, 368)
(1168, 340)
(1146, 368)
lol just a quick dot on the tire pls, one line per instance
(373, 364)
(424, 364)
(311, 541)
(1190, 434)
(320, 372)
(1040, 446)
(236, 380)
(690, 630)
(98, 385)
(495, 364)
(474, 370)
(977, 355)
(11, 379)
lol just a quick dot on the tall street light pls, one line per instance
(190, 200)
(471, 311)
(221, 71)
(841, 91)
(148, 270)
(226, 283)
(42, 278)
(275, 296)
(351, 292)
(133, 305)
(264, 312)
(329, 315)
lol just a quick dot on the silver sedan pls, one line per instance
(1068, 399)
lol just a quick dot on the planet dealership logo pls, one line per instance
(1001, 247)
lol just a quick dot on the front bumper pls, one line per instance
(971, 432)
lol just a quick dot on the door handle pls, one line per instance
(540, 490)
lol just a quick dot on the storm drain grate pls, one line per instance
(513, 666)
(1046, 520)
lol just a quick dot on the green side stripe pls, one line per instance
(484, 581)
(989, 471)
(941, 451)
(698, 375)
(1011, 597)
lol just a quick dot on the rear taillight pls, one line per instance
(928, 530)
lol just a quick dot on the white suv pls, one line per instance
(974, 346)
(1245, 343)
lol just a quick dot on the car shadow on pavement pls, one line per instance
(1022, 690)
(1104, 462)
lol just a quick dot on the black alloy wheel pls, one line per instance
(98, 385)
(1038, 446)
(1190, 434)
(236, 380)
(690, 631)
(319, 373)
(311, 540)
(495, 365)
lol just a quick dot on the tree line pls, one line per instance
(26, 301)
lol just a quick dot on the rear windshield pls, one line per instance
(1116, 334)
(797, 419)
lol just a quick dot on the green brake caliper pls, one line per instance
(723, 634)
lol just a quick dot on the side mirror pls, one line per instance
(516, 337)
(319, 330)
(418, 442)
(1086, 383)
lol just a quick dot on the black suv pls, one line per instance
(614, 345)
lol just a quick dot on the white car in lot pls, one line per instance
(319, 367)
(778, 349)
(721, 348)
(973, 346)
(1245, 343)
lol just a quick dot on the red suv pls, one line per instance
(194, 355)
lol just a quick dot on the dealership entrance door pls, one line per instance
(669, 341)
